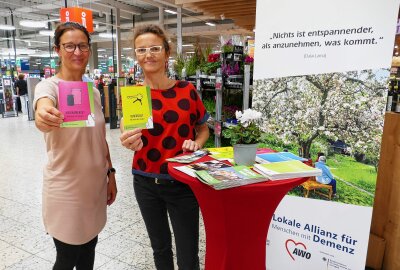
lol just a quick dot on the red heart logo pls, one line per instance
(298, 243)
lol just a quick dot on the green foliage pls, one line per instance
(210, 142)
(238, 134)
(269, 140)
(210, 67)
(227, 48)
(210, 105)
(179, 64)
(191, 65)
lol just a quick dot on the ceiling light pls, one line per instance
(106, 35)
(101, 50)
(170, 11)
(33, 24)
(187, 45)
(210, 24)
(46, 33)
(6, 27)
(126, 49)
(54, 20)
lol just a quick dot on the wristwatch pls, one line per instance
(111, 170)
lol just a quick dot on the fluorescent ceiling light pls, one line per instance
(106, 35)
(210, 24)
(187, 45)
(126, 49)
(170, 11)
(101, 50)
(189, 52)
(46, 33)
(33, 24)
(27, 41)
(6, 27)
(54, 20)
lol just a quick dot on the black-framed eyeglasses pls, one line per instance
(152, 50)
(71, 47)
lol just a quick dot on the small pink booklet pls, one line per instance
(75, 101)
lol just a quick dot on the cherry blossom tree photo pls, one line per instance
(348, 106)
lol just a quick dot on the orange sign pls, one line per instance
(79, 15)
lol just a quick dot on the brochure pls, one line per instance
(189, 157)
(222, 153)
(286, 170)
(76, 102)
(229, 177)
(265, 150)
(276, 157)
(136, 107)
(206, 165)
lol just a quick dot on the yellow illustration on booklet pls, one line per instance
(136, 107)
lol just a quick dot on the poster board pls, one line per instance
(320, 74)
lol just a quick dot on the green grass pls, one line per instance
(356, 173)
(359, 174)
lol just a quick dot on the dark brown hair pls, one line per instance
(153, 29)
(68, 26)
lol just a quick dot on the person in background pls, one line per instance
(100, 86)
(179, 125)
(326, 177)
(21, 89)
(78, 180)
(319, 154)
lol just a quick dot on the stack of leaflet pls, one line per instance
(286, 170)
(220, 175)
(276, 157)
(189, 157)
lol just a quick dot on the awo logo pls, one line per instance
(296, 249)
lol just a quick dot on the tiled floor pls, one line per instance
(24, 244)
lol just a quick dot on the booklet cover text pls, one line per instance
(76, 102)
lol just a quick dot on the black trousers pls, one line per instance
(159, 198)
(79, 256)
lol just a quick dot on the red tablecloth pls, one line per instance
(236, 220)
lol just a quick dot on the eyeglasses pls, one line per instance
(71, 47)
(152, 50)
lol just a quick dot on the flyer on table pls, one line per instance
(320, 75)
(76, 102)
(136, 107)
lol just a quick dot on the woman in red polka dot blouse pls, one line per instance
(179, 125)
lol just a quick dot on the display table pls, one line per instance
(236, 220)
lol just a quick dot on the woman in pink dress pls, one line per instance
(78, 180)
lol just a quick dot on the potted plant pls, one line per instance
(244, 136)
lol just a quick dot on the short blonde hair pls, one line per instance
(153, 29)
